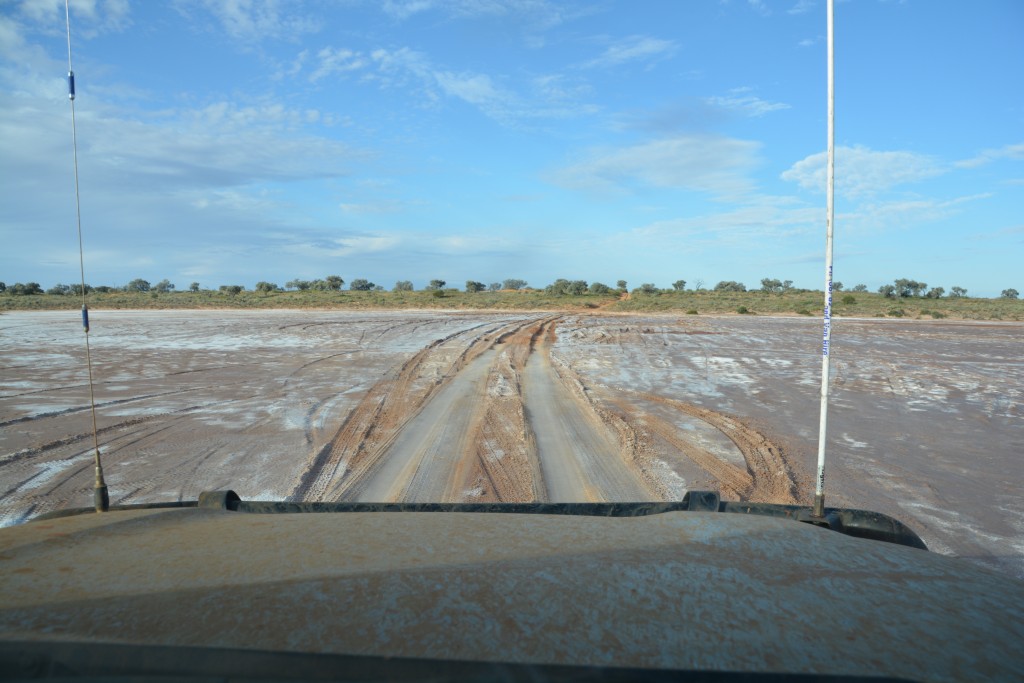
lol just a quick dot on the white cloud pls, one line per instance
(293, 69)
(558, 88)
(903, 213)
(309, 248)
(535, 14)
(550, 98)
(267, 115)
(371, 207)
(337, 60)
(861, 171)
(254, 20)
(470, 244)
(88, 17)
(759, 7)
(763, 218)
(365, 244)
(395, 68)
(394, 242)
(205, 179)
(1014, 152)
(632, 49)
(741, 99)
(403, 9)
(13, 46)
(709, 163)
(476, 89)
(801, 6)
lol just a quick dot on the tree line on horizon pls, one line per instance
(900, 288)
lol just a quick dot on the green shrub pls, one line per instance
(938, 314)
(742, 310)
(849, 299)
(692, 311)
(802, 311)
(896, 313)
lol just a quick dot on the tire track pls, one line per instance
(734, 480)
(430, 447)
(768, 477)
(579, 458)
(371, 426)
(410, 404)
(107, 404)
(506, 467)
(454, 440)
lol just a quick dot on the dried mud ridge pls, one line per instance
(491, 414)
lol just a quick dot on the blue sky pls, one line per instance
(231, 141)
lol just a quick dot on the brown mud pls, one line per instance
(456, 406)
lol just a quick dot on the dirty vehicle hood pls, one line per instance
(679, 590)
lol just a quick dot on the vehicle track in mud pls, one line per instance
(424, 460)
(579, 454)
(506, 420)
(369, 428)
(487, 411)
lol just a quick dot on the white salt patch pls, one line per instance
(501, 388)
(493, 452)
(290, 416)
(12, 356)
(954, 524)
(46, 472)
(24, 384)
(329, 409)
(675, 483)
(133, 411)
(853, 443)
(34, 410)
(727, 370)
(265, 494)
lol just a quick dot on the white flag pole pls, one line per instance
(819, 490)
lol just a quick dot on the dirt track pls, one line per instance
(415, 406)
(432, 432)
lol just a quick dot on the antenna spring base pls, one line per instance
(101, 499)
(819, 505)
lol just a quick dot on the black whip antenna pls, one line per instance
(100, 497)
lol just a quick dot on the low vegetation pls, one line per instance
(903, 299)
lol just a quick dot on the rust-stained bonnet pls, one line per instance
(677, 590)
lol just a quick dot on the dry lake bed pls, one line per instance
(926, 420)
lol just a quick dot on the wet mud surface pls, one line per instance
(926, 421)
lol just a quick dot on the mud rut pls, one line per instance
(491, 414)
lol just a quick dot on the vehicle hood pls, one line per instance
(680, 590)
